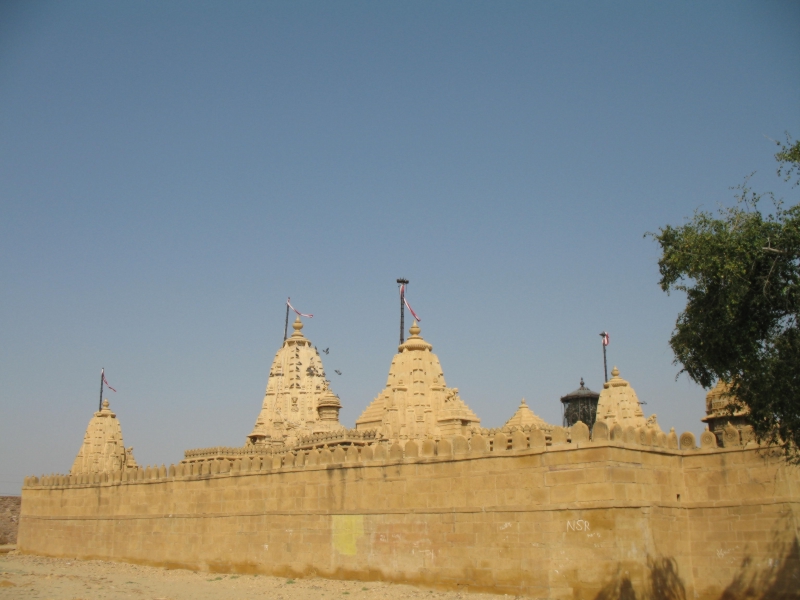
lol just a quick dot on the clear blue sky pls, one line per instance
(170, 172)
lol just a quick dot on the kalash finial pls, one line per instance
(297, 326)
(615, 372)
(105, 404)
(414, 330)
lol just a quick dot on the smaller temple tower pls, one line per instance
(416, 403)
(102, 450)
(580, 405)
(525, 417)
(618, 404)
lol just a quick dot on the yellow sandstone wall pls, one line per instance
(591, 520)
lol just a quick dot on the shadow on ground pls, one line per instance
(663, 583)
(765, 579)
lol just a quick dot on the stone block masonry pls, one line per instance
(565, 521)
(9, 519)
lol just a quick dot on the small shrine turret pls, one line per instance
(580, 405)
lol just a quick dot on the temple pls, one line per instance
(420, 492)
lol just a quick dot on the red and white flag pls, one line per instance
(108, 385)
(604, 335)
(408, 306)
(289, 304)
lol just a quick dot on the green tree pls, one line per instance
(740, 271)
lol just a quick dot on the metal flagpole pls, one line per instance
(604, 335)
(102, 379)
(403, 283)
(286, 323)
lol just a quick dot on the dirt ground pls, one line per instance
(24, 576)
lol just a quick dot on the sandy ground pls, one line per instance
(24, 576)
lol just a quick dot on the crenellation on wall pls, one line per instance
(418, 492)
(458, 448)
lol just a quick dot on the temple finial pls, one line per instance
(414, 330)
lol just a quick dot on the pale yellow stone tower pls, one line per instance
(618, 403)
(416, 403)
(296, 384)
(103, 450)
(525, 417)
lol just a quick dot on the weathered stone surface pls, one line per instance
(500, 442)
(519, 441)
(416, 402)
(579, 433)
(730, 436)
(295, 387)
(544, 504)
(411, 449)
(537, 438)
(618, 403)
(708, 440)
(478, 445)
(559, 435)
(524, 417)
(600, 431)
(103, 450)
(428, 448)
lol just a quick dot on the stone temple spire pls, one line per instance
(102, 450)
(525, 417)
(296, 384)
(416, 403)
(618, 403)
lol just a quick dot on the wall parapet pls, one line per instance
(228, 461)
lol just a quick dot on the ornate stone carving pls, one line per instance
(708, 439)
(103, 450)
(600, 431)
(299, 396)
(416, 404)
(730, 436)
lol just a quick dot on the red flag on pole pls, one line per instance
(108, 385)
(408, 306)
(605, 338)
(289, 304)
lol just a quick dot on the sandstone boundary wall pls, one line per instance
(584, 520)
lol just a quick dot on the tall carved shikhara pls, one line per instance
(291, 401)
(416, 403)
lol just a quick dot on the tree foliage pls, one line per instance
(740, 270)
